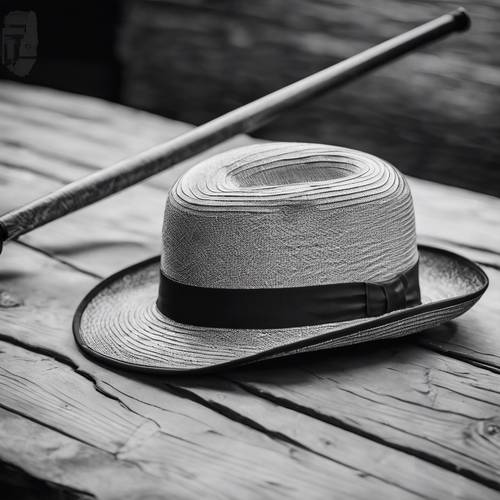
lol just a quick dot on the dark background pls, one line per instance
(76, 46)
(434, 114)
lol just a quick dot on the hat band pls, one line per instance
(253, 308)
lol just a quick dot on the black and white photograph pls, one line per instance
(249, 250)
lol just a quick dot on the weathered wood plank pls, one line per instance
(44, 294)
(46, 131)
(70, 469)
(285, 416)
(387, 391)
(200, 452)
(47, 293)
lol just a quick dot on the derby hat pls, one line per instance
(275, 249)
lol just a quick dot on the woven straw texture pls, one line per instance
(275, 215)
(288, 214)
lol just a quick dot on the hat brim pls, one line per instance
(119, 323)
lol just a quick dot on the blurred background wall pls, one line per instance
(434, 114)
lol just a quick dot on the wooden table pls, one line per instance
(415, 418)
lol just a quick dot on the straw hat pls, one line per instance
(275, 249)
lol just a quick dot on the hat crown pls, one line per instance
(288, 214)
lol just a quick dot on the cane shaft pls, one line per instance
(128, 172)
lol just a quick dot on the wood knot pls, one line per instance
(8, 300)
(490, 429)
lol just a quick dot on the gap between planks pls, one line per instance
(56, 258)
(227, 412)
(361, 473)
(95, 275)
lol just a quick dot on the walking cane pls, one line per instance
(110, 180)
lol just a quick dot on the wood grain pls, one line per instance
(62, 467)
(43, 388)
(196, 449)
(395, 419)
(434, 114)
